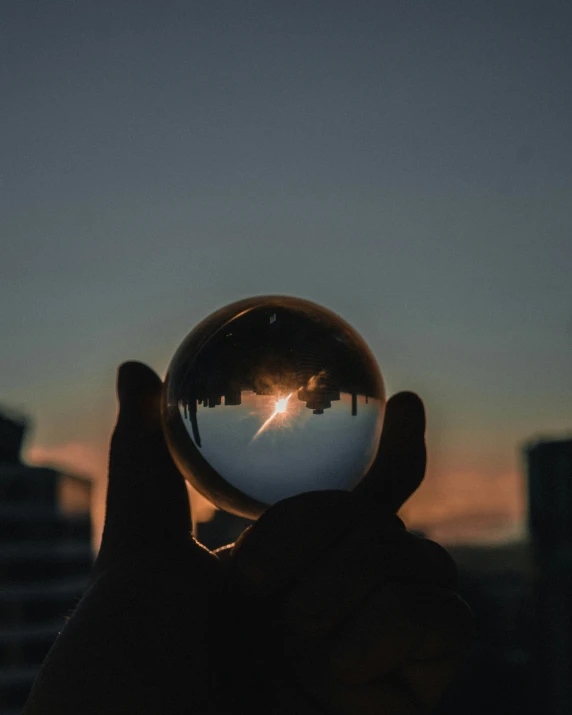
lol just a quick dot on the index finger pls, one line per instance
(399, 466)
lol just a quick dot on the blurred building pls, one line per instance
(521, 594)
(45, 558)
(549, 466)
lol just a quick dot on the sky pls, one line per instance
(406, 164)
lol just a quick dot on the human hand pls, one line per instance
(158, 626)
(138, 642)
(365, 613)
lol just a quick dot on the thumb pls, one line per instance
(147, 501)
(399, 466)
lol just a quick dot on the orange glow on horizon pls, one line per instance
(460, 500)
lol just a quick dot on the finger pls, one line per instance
(147, 501)
(289, 537)
(356, 566)
(401, 625)
(399, 467)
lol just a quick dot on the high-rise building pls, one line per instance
(550, 493)
(550, 523)
(45, 559)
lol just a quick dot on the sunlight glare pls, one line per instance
(282, 404)
(279, 408)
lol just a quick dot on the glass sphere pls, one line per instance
(270, 397)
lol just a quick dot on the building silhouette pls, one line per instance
(521, 594)
(45, 558)
(549, 466)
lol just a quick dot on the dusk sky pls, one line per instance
(406, 164)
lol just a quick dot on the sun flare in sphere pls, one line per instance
(281, 405)
(279, 408)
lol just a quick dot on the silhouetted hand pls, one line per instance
(325, 605)
(365, 613)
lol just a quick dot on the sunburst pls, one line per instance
(280, 408)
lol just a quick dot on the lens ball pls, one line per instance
(270, 397)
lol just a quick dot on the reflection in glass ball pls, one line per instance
(270, 397)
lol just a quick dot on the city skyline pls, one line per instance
(270, 349)
(299, 451)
